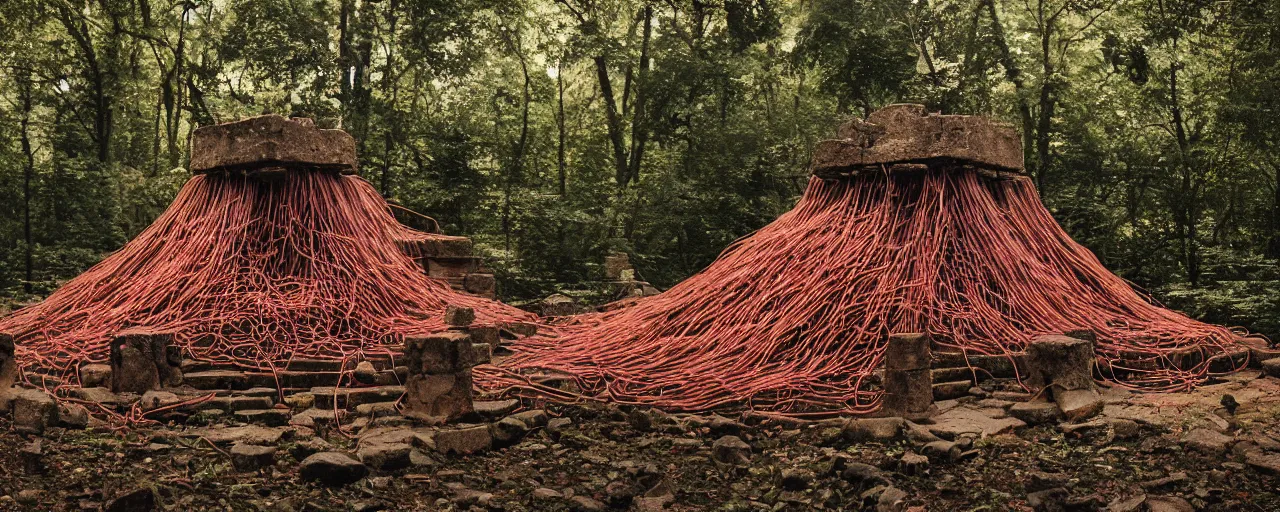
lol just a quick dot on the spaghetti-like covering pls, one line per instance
(795, 317)
(252, 273)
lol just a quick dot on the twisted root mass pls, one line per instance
(252, 273)
(796, 315)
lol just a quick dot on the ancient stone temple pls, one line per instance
(919, 262)
(277, 267)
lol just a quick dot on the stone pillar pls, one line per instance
(8, 369)
(438, 387)
(143, 360)
(617, 267)
(1060, 368)
(908, 380)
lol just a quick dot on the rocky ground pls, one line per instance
(1168, 452)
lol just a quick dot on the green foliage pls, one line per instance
(1150, 126)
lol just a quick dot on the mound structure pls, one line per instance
(911, 223)
(273, 251)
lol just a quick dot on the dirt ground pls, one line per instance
(1144, 452)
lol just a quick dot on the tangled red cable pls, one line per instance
(795, 317)
(253, 273)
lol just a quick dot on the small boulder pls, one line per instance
(73, 416)
(1079, 404)
(332, 469)
(33, 411)
(385, 456)
(874, 429)
(464, 440)
(1206, 441)
(152, 400)
(1035, 412)
(509, 430)
(247, 457)
(731, 450)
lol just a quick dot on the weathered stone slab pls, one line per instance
(350, 398)
(143, 360)
(464, 440)
(33, 411)
(438, 398)
(907, 134)
(445, 352)
(271, 141)
(907, 393)
(908, 351)
(1064, 362)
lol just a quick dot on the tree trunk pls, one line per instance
(28, 174)
(561, 166)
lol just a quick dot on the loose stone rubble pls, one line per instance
(367, 444)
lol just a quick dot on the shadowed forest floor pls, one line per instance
(1180, 451)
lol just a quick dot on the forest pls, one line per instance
(554, 132)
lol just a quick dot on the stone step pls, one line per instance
(381, 361)
(350, 398)
(956, 374)
(951, 390)
(287, 379)
(265, 417)
(997, 366)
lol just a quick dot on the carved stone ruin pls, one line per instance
(1060, 368)
(906, 137)
(144, 360)
(619, 273)
(452, 259)
(908, 379)
(8, 368)
(438, 386)
(271, 142)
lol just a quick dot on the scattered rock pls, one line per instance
(247, 457)
(1206, 441)
(138, 500)
(556, 426)
(463, 440)
(1035, 412)
(509, 430)
(251, 434)
(874, 429)
(73, 416)
(495, 408)
(892, 499)
(95, 376)
(1168, 504)
(796, 479)
(32, 455)
(913, 464)
(1048, 500)
(1079, 404)
(942, 450)
(385, 456)
(534, 418)
(1130, 504)
(267, 417)
(543, 493)
(365, 373)
(585, 504)
(152, 400)
(332, 468)
(308, 447)
(731, 450)
(962, 420)
(33, 411)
